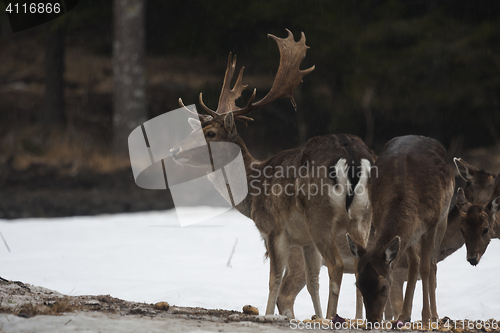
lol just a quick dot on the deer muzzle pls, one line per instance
(473, 258)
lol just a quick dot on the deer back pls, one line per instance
(280, 186)
(411, 194)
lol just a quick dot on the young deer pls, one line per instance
(479, 185)
(287, 216)
(410, 200)
(295, 277)
(479, 222)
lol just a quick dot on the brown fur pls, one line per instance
(480, 183)
(479, 223)
(286, 215)
(452, 240)
(310, 224)
(410, 200)
(295, 277)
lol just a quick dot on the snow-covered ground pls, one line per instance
(148, 257)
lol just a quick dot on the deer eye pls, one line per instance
(211, 135)
(383, 289)
(485, 231)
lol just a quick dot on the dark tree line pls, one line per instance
(383, 68)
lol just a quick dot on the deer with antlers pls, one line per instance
(282, 204)
(410, 198)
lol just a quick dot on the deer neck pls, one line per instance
(245, 206)
(394, 222)
(453, 238)
(248, 159)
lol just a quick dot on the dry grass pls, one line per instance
(29, 310)
(34, 145)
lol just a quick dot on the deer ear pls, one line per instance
(461, 199)
(229, 122)
(494, 205)
(195, 123)
(466, 171)
(392, 250)
(357, 249)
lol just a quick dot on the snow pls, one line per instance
(148, 257)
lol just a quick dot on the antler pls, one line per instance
(287, 78)
(228, 96)
(191, 112)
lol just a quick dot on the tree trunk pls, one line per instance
(53, 111)
(129, 98)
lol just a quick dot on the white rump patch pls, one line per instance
(339, 190)
(361, 200)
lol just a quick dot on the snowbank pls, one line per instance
(148, 257)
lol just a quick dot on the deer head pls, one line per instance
(374, 276)
(219, 125)
(476, 224)
(480, 182)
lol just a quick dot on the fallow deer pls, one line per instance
(410, 198)
(479, 186)
(479, 223)
(308, 222)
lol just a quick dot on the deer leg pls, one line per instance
(359, 304)
(313, 262)
(413, 264)
(293, 282)
(432, 290)
(335, 272)
(277, 248)
(441, 230)
(327, 246)
(427, 247)
(359, 296)
(321, 227)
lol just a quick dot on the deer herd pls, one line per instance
(387, 219)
